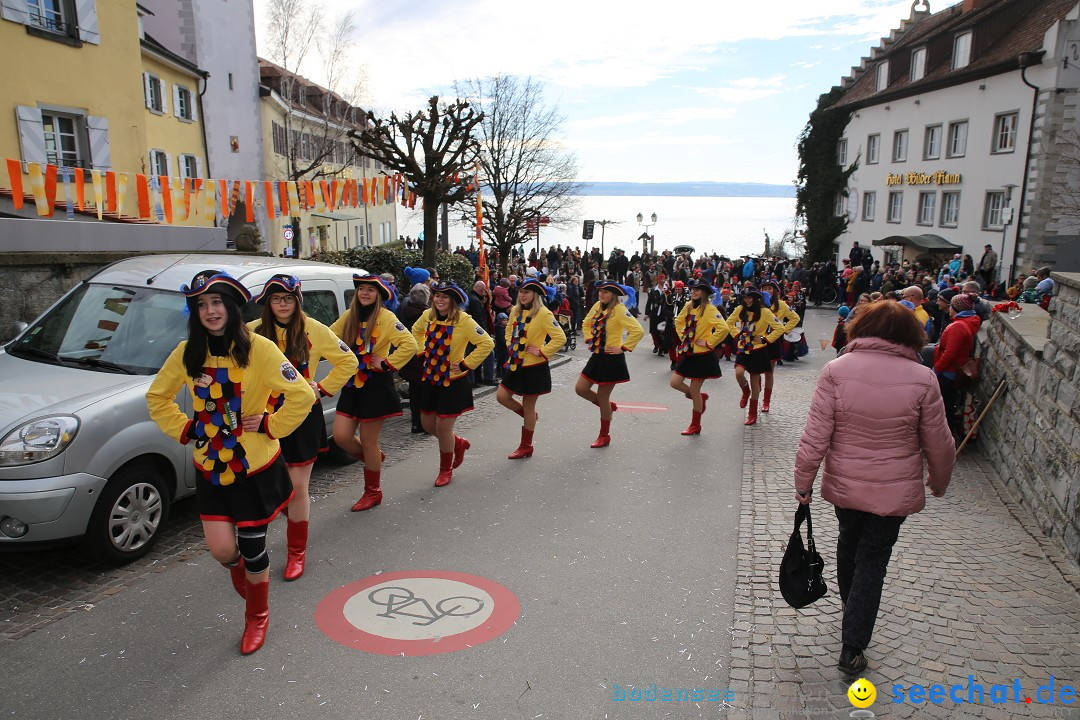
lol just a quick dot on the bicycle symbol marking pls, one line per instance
(397, 601)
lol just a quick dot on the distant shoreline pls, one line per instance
(687, 189)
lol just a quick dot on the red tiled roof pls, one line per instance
(1003, 29)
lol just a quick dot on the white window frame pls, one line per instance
(932, 142)
(149, 80)
(869, 205)
(896, 206)
(841, 152)
(78, 134)
(1005, 131)
(189, 113)
(38, 18)
(950, 208)
(840, 206)
(881, 79)
(956, 140)
(961, 56)
(155, 157)
(995, 203)
(918, 64)
(186, 163)
(900, 146)
(927, 208)
(873, 149)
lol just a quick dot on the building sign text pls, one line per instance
(917, 178)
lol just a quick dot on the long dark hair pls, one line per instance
(753, 313)
(296, 342)
(237, 337)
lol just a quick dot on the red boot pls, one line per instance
(460, 446)
(751, 419)
(604, 438)
(704, 399)
(296, 534)
(372, 492)
(525, 449)
(614, 407)
(360, 456)
(446, 469)
(745, 396)
(765, 401)
(238, 576)
(256, 617)
(695, 425)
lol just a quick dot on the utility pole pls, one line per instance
(603, 226)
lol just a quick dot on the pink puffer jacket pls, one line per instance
(875, 415)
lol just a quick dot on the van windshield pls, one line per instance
(108, 328)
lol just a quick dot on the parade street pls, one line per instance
(578, 583)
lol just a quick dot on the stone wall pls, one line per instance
(1032, 432)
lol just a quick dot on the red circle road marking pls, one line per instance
(640, 407)
(330, 616)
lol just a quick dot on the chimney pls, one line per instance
(970, 5)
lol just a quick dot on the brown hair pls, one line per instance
(296, 341)
(889, 321)
(351, 328)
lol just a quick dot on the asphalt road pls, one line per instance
(622, 559)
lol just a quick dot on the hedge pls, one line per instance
(394, 260)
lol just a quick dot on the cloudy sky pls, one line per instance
(652, 91)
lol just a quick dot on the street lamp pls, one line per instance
(1006, 220)
(652, 240)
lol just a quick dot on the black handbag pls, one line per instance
(802, 569)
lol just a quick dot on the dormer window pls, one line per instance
(918, 64)
(961, 50)
(301, 94)
(882, 76)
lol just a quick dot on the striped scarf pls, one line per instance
(437, 354)
(518, 344)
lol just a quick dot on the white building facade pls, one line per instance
(948, 158)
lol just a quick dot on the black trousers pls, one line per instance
(950, 395)
(862, 557)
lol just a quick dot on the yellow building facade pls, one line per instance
(76, 97)
(311, 129)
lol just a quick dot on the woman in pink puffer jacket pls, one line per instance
(876, 415)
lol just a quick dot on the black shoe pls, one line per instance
(852, 661)
(417, 429)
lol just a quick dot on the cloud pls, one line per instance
(670, 116)
(649, 140)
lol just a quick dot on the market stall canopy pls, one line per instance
(922, 243)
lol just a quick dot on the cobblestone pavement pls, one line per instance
(39, 588)
(972, 589)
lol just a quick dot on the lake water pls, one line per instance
(723, 225)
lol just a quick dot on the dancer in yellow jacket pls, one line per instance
(442, 332)
(609, 331)
(753, 326)
(305, 341)
(699, 329)
(381, 345)
(533, 335)
(242, 481)
(789, 319)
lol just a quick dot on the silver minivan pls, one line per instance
(79, 455)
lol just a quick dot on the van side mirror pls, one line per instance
(17, 328)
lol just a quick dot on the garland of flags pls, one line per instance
(168, 200)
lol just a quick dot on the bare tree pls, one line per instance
(319, 118)
(526, 172)
(433, 149)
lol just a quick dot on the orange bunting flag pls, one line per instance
(334, 187)
(309, 192)
(223, 186)
(234, 197)
(187, 198)
(50, 187)
(268, 192)
(386, 189)
(363, 192)
(95, 181)
(196, 188)
(110, 191)
(249, 202)
(142, 191)
(166, 199)
(374, 191)
(37, 187)
(325, 201)
(14, 168)
(121, 192)
(283, 196)
(412, 200)
(209, 200)
(294, 197)
(80, 189)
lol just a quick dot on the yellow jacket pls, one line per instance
(766, 330)
(223, 451)
(322, 343)
(390, 341)
(709, 326)
(541, 330)
(440, 365)
(616, 322)
(787, 317)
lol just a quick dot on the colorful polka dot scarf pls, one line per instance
(217, 425)
(686, 344)
(363, 354)
(437, 354)
(745, 342)
(518, 342)
(598, 341)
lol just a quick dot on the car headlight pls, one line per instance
(38, 440)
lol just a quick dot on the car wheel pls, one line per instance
(129, 515)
